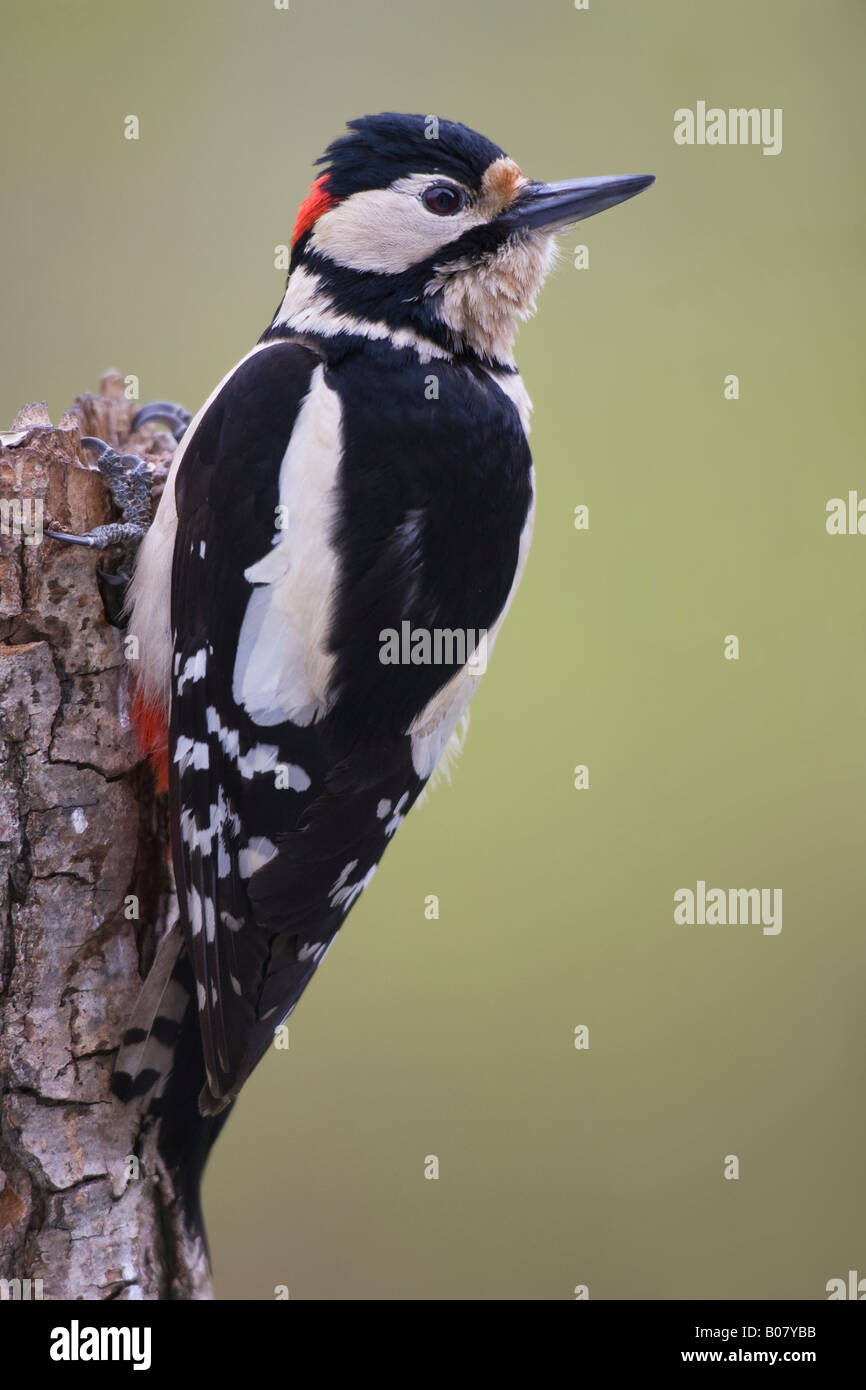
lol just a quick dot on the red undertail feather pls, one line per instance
(152, 730)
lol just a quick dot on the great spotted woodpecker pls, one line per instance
(365, 466)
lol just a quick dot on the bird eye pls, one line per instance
(443, 199)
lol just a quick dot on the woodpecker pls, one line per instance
(364, 466)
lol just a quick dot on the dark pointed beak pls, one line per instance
(556, 205)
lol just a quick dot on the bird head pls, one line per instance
(422, 231)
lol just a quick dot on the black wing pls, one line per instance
(292, 760)
(269, 852)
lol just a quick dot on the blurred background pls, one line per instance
(455, 1037)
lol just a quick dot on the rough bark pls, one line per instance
(84, 887)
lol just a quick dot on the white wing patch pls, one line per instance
(194, 668)
(398, 817)
(343, 894)
(259, 851)
(282, 667)
(190, 753)
(223, 824)
(262, 757)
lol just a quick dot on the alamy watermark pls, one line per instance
(21, 1290)
(77, 1343)
(437, 646)
(846, 517)
(713, 125)
(22, 516)
(721, 907)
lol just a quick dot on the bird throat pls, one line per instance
(482, 301)
(478, 301)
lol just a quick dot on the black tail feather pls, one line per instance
(162, 1057)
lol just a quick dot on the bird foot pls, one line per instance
(168, 413)
(128, 478)
(101, 537)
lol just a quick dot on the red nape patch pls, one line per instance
(152, 731)
(317, 201)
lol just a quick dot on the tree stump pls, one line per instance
(85, 1210)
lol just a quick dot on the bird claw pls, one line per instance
(128, 480)
(115, 581)
(101, 537)
(168, 412)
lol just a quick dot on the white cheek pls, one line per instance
(386, 230)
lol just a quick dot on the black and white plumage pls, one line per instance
(366, 465)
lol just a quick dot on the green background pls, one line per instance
(454, 1037)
